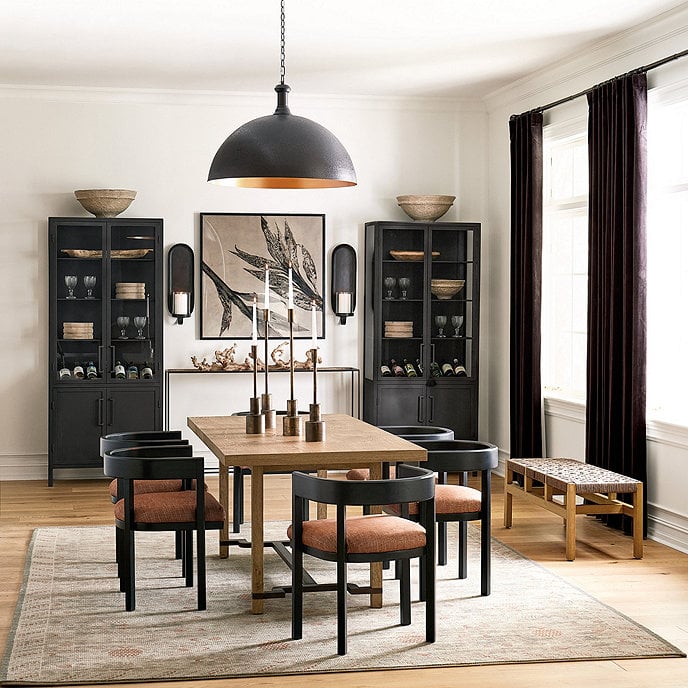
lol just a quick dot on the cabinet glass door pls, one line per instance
(79, 276)
(132, 302)
(401, 286)
(451, 301)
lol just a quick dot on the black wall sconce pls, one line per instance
(343, 281)
(180, 280)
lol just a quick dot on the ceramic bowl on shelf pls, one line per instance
(427, 208)
(446, 288)
(105, 202)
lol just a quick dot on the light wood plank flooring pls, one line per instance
(653, 591)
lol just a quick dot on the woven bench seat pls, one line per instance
(598, 488)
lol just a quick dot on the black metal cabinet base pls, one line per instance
(105, 310)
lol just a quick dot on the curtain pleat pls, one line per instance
(615, 408)
(526, 285)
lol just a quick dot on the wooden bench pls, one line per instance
(572, 479)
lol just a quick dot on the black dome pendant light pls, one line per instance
(282, 151)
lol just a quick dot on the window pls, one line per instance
(667, 257)
(565, 261)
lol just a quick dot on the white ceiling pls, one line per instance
(452, 48)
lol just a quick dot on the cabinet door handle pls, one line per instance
(100, 358)
(99, 404)
(420, 410)
(422, 352)
(111, 367)
(432, 353)
(431, 418)
(111, 411)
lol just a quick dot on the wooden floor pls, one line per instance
(653, 591)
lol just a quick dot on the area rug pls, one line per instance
(70, 625)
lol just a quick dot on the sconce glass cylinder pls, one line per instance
(343, 281)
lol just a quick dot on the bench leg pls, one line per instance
(638, 522)
(508, 498)
(570, 521)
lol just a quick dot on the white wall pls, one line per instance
(161, 144)
(667, 447)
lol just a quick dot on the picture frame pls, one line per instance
(235, 247)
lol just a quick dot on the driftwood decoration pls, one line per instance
(224, 360)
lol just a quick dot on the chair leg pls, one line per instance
(178, 544)
(429, 567)
(188, 558)
(463, 549)
(238, 499)
(442, 543)
(200, 570)
(485, 557)
(119, 555)
(422, 587)
(129, 551)
(341, 607)
(297, 593)
(404, 566)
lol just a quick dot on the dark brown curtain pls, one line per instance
(615, 411)
(526, 284)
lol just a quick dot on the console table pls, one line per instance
(354, 376)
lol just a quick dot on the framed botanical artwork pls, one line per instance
(236, 249)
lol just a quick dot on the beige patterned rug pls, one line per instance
(70, 625)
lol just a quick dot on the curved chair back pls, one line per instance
(415, 433)
(125, 440)
(155, 462)
(413, 484)
(459, 456)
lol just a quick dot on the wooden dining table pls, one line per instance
(349, 443)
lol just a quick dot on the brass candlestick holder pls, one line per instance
(315, 425)
(255, 421)
(266, 409)
(292, 423)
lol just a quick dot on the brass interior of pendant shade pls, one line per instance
(283, 183)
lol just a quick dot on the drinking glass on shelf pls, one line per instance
(457, 322)
(404, 284)
(89, 283)
(123, 323)
(70, 283)
(441, 321)
(139, 324)
(390, 283)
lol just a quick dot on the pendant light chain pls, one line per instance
(282, 70)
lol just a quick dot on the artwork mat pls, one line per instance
(220, 233)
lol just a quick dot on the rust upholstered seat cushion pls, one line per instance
(364, 534)
(364, 473)
(450, 499)
(144, 486)
(170, 507)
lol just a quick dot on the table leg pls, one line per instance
(638, 522)
(223, 479)
(570, 521)
(376, 567)
(257, 538)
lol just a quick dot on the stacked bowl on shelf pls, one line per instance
(77, 330)
(130, 290)
(398, 328)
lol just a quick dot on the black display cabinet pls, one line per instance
(105, 334)
(422, 312)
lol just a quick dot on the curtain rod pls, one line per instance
(638, 70)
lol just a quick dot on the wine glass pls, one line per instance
(390, 283)
(139, 324)
(70, 283)
(441, 321)
(457, 322)
(123, 323)
(404, 284)
(89, 283)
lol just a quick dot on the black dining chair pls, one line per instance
(144, 438)
(407, 432)
(190, 509)
(461, 503)
(371, 538)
